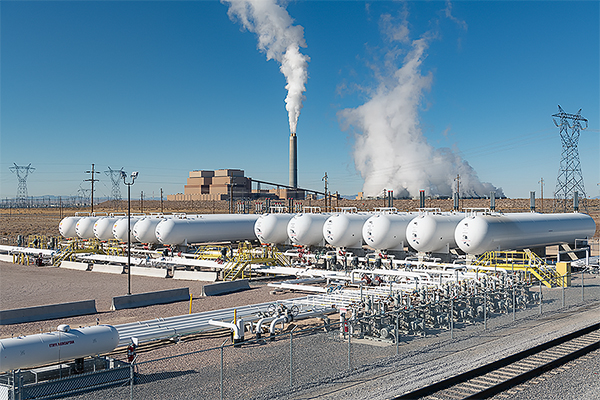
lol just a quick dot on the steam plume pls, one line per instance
(390, 150)
(281, 41)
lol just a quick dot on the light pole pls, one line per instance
(133, 176)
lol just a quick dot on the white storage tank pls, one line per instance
(307, 229)
(144, 229)
(386, 231)
(206, 228)
(53, 347)
(345, 229)
(67, 226)
(481, 232)
(433, 231)
(119, 230)
(85, 227)
(103, 228)
(272, 228)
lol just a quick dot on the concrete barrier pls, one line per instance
(146, 271)
(107, 268)
(74, 265)
(50, 311)
(214, 289)
(150, 298)
(6, 257)
(207, 276)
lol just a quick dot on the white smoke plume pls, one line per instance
(390, 151)
(281, 41)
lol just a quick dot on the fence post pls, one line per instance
(291, 360)
(485, 307)
(397, 328)
(582, 285)
(452, 318)
(563, 290)
(131, 379)
(541, 300)
(514, 300)
(349, 344)
(222, 344)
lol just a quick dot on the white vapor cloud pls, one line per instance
(390, 151)
(281, 41)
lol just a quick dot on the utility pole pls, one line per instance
(161, 201)
(324, 179)
(92, 180)
(541, 182)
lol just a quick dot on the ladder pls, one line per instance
(240, 265)
(521, 261)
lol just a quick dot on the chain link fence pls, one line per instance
(310, 353)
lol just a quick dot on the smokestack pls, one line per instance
(293, 161)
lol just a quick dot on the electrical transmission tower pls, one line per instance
(115, 177)
(570, 178)
(22, 174)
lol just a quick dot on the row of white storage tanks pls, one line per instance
(473, 233)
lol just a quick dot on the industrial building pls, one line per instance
(222, 183)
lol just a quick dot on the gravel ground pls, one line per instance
(320, 360)
(26, 286)
(576, 380)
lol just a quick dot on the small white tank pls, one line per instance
(54, 347)
(483, 232)
(103, 228)
(433, 232)
(67, 226)
(120, 229)
(345, 229)
(272, 228)
(144, 229)
(307, 229)
(85, 227)
(386, 231)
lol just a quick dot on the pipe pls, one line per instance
(237, 328)
(283, 319)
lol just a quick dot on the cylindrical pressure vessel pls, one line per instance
(144, 229)
(386, 231)
(345, 229)
(479, 233)
(272, 228)
(119, 230)
(433, 232)
(54, 347)
(67, 226)
(85, 227)
(103, 228)
(207, 228)
(307, 229)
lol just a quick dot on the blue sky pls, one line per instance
(167, 87)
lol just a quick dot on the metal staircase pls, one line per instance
(521, 261)
(240, 265)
